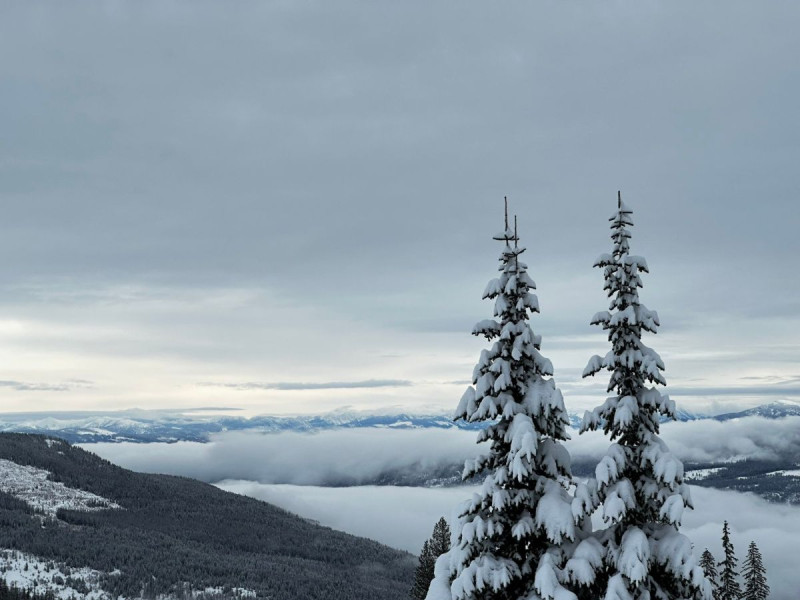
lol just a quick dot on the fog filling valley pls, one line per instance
(404, 516)
(358, 456)
(321, 476)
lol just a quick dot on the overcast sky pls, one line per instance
(288, 207)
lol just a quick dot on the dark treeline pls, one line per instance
(757, 476)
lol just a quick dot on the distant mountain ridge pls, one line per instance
(773, 410)
(162, 426)
(145, 427)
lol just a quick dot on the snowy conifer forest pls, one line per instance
(247, 345)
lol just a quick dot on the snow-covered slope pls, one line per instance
(26, 571)
(29, 572)
(697, 474)
(32, 486)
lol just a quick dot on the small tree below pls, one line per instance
(755, 575)
(709, 565)
(729, 588)
(433, 548)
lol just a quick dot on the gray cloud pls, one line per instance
(345, 168)
(153, 414)
(773, 379)
(776, 389)
(363, 510)
(300, 385)
(368, 111)
(24, 386)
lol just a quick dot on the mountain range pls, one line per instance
(173, 426)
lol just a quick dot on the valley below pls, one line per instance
(336, 510)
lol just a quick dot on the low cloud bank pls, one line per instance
(357, 456)
(713, 441)
(404, 517)
(338, 458)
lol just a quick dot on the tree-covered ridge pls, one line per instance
(176, 530)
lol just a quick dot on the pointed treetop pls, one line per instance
(516, 238)
(506, 235)
(621, 206)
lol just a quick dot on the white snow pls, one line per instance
(218, 591)
(697, 474)
(26, 571)
(795, 473)
(587, 557)
(31, 485)
(30, 572)
(634, 555)
(554, 513)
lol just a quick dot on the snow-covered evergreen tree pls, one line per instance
(639, 484)
(438, 544)
(709, 565)
(729, 588)
(754, 575)
(508, 536)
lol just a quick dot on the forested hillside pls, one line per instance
(175, 531)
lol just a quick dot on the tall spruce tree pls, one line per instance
(709, 565)
(729, 588)
(433, 548)
(509, 533)
(755, 575)
(639, 483)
